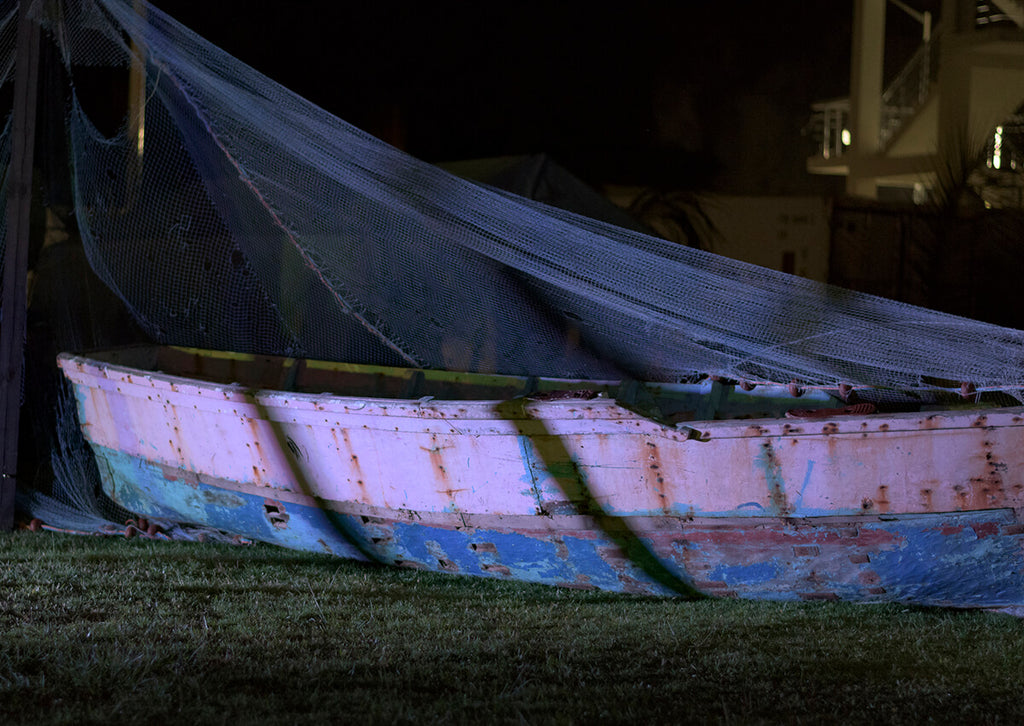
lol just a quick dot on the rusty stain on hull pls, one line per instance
(774, 479)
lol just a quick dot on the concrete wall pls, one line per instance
(784, 233)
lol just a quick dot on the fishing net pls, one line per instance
(227, 212)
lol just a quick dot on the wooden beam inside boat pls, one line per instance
(19, 201)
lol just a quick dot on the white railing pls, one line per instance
(830, 124)
(901, 99)
(908, 90)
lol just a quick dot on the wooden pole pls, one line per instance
(137, 106)
(19, 202)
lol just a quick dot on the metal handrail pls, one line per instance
(909, 89)
(901, 99)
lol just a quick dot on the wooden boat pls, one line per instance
(682, 489)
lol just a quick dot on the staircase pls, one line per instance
(904, 97)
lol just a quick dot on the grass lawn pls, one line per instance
(107, 630)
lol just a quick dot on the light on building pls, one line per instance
(997, 148)
(920, 193)
(845, 136)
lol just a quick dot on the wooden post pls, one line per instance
(137, 107)
(19, 201)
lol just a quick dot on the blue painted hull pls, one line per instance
(962, 559)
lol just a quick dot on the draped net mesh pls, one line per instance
(244, 217)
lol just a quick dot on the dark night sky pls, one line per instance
(693, 94)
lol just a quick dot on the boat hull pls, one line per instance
(915, 507)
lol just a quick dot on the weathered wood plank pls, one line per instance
(19, 200)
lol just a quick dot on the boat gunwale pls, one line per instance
(862, 424)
